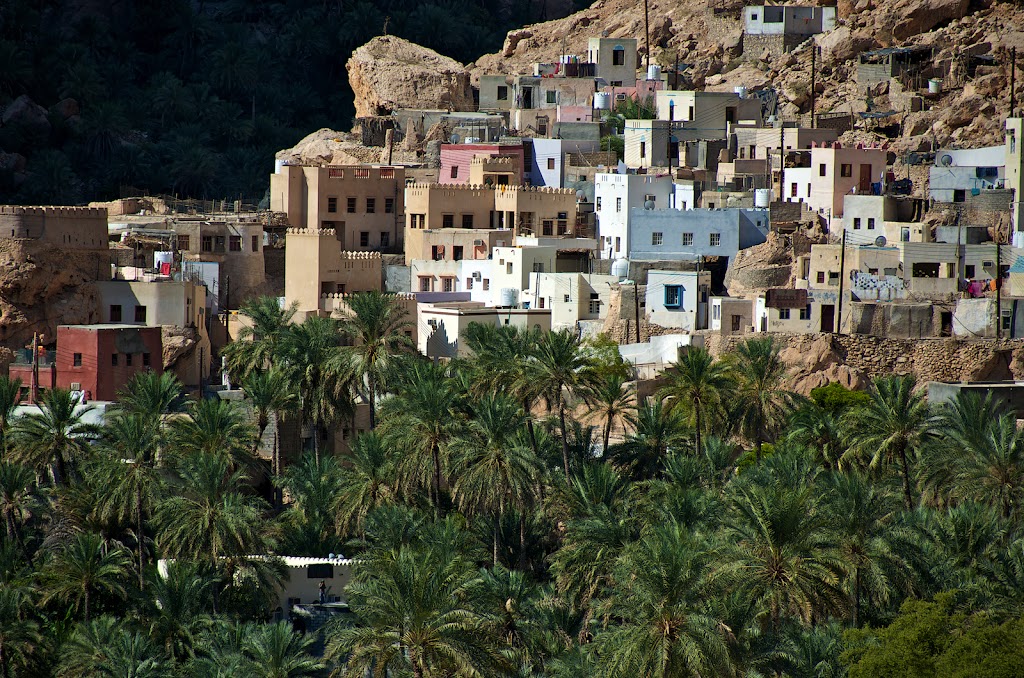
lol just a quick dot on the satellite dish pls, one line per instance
(454, 138)
(880, 241)
(946, 160)
(580, 196)
(913, 159)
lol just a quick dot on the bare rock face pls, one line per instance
(389, 73)
(41, 287)
(920, 16)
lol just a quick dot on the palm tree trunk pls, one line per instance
(59, 469)
(373, 401)
(907, 494)
(496, 526)
(140, 537)
(697, 422)
(85, 590)
(607, 433)
(276, 462)
(522, 540)
(565, 443)
(856, 596)
(435, 454)
(529, 424)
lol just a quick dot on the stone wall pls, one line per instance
(776, 45)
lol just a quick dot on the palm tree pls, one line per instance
(697, 384)
(259, 341)
(17, 497)
(19, 633)
(376, 324)
(559, 370)
(311, 353)
(760, 400)
(104, 648)
(151, 395)
(176, 607)
(130, 481)
(657, 430)
(314, 486)
(414, 614)
(819, 430)
(989, 468)
(781, 554)
(56, 436)
(493, 472)
(367, 482)
(893, 426)
(611, 398)
(84, 568)
(271, 392)
(659, 589)
(275, 651)
(10, 397)
(419, 420)
(215, 427)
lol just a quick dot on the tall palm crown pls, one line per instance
(367, 482)
(760, 399)
(611, 398)
(376, 323)
(56, 436)
(697, 384)
(84, 568)
(893, 427)
(215, 427)
(152, 395)
(259, 339)
(657, 430)
(10, 396)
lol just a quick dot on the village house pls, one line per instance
(615, 198)
(457, 159)
(316, 266)
(443, 324)
(678, 299)
(572, 298)
(781, 28)
(64, 227)
(672, 235)
(615, 60)
(958, 173)
(798, 311)
(835, 172)
(706, 115)
(731, 316)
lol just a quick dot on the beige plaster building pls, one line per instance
(71, 227)
(363, 204)
(316, 265)
(441, 325)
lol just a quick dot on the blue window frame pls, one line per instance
(673, 296)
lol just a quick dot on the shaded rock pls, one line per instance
(23, 112)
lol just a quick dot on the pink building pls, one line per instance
(456, 158)
(575, 114)
(837, 171)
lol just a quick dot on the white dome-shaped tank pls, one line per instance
(763, 197)
(602, 101)
(620, 268)
(508, 296)
(278, 164)
(740, 91)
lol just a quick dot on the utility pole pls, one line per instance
(34, 391)
(647, 34)
(839, 300)
(1013, 77)
(814, 51)
(636, 307)
(999, 287)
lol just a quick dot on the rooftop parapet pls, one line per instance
(53, 211)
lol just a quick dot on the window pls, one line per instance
(548, 226)
(467, 221)
(448, 221)
(113, 360)
(456, 252)
(502, 93)
(385, 239)
(320, 571)
(1005, 317)
(552, 97)
(551, 163)
(618, 56)
(871, 223)
(469, 283)
(207, 243)
(364, 238)
(455, 172)
(671, 296)
(115, 313)
(657, 238)
(753, 16)
(805, 312)
(618, 243)
(255, 243)
(618, 204)
(540, 302)
(783, 314)
(140, 314)
(969, 271)
(821, 169)
(183, 242)
(595, 306)
(362, 173)
(715, 239)
(128, 359)
(424, 283)
(565, 298)
(76, 359)
(924, 270)
(643, 149)
(821, 277)
(487, 284)
(448, 284)
(846, 170)
(218, 243)
(508, 268)
(598, 204)
(332, 204)
(687, 239)
(950, 269)
(350, 205)
(235, 243)
(736, 323)
(792, 190)
(371, 205)
(856, 223)
(389, 205)
(145, 360)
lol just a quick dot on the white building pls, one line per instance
(511, 268)
(441, 325)
(571, 297)
(678, 299)
(614, 196)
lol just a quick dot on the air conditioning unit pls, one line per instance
(76, 386)
(478, 243)
(476, 275)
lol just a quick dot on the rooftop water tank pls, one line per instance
(654, 72)
(508, 296)
(620, 268)
(602, 101)
(740, 91)
(763, 197)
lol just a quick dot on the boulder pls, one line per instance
(66, 108)
(389, 73)
(913, 17)
(23, 112)
(513, 39)
(842, 44)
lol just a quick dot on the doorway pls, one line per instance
(828, 318)
(946, 322)
(864, 185)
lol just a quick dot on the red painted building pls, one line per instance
(455, 159)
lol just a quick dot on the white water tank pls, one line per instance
(762, 197)
(162, 258)
(935, 86)
(602, 101)
(620, 268)
(278, 164)
(507, 297)
(740, 91)
(654, 72)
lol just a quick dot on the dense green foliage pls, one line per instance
(194, 98)
(520, 512)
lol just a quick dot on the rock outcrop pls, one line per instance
(389, 73)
